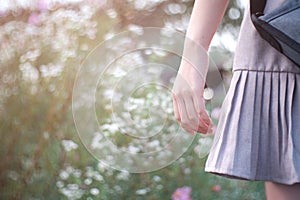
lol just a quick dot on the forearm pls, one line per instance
(205, 19)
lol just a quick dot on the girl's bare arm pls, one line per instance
(188, 102)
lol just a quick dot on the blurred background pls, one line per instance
(43, 43)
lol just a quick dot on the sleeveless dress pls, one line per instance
(258, 133)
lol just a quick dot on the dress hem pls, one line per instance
(259, 70)
(233, 174)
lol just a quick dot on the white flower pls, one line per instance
(159, 187)
(136, 29)
(59, 184)
(96, 141)
(112, 128)
(77, 173)
(154, 144)
(72, 193)
(142, 191)
(112, 13)
(13, 175)
(133, 149)
(64, 175)
(69, 145)
(94, 191)
(98, 177)
(118, 188)
(187, 171)
(88, 181)
(73, 186)
(123, 175)
(102, 167)
(69, 169)
(156, 178)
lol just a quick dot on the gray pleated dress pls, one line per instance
(258, 133)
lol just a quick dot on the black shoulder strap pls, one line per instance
(257, 6)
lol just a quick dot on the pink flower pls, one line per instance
(216, 188)
(3, 13)
(43, 5)
(182, 194)
(34, 19)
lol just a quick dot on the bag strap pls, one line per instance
(257, 7)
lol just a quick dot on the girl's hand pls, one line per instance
(187, 94)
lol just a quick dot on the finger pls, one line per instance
(203, 113)
(175, 107)
(186, 122)
(204, 129)
(205, 117)
(205, 126)
(192, 113)
(180, 113)
(196, 99)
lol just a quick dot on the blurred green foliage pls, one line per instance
(42, 47)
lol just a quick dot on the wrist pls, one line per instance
(194, 60)
(198, 40)
(192, 72)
